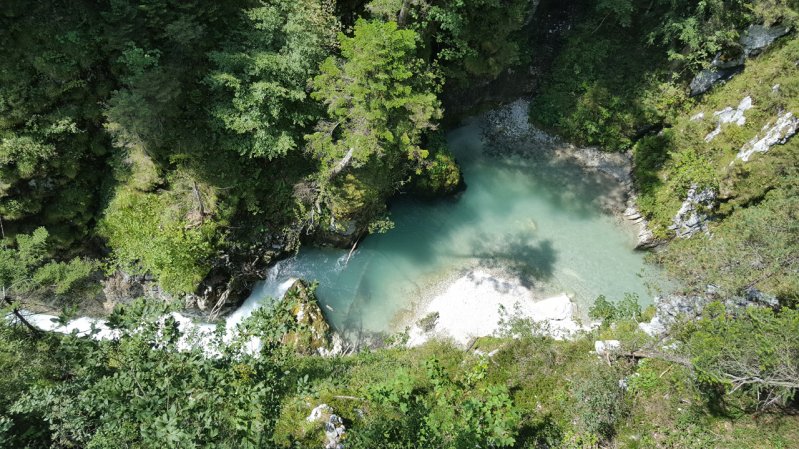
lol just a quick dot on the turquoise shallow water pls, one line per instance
(537, 219)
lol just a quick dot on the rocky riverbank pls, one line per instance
(509, 127)
(480, 304)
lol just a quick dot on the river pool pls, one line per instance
(524, 215)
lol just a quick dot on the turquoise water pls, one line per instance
(533, 218)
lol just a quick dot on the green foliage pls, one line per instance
(380, 99)
(600, 401)
(151, 389)
(27, 272)
(605, 85)
(445, 412)
(150, 232)
(697, 31)
(668, 163)
(472, 39)
(477, 38)
(440, 173)
(260, 105)
(754, 247)
(50, 77)
(26, 363)
(380, 95)
(627, 308)
(753, 351)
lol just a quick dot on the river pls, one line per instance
(525, 215)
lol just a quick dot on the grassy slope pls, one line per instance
(667, 164)
(662, 407)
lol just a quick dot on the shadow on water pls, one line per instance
(561, 183)
(529, 261)
(526, 214)
(518, 255)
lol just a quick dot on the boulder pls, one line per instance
(310, 333)
(606, 347)
(757, 38)
(726, 61)
(334, 432)
(319, 412)
(708, 78)
(653, 328)
(754, 40)
(333, 425)
(730, 115)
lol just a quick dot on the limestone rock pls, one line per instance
(724, 66)
(730, 115)
(334, 432)
(606, 347)
(708, 78)
(646, 238)
(312, 333)
(319, 412)
(653, 328)
(725, 61)
(782, 130)
(758, 37)
(692, 216)
(333, 425)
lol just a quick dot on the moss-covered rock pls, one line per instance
(439, 174)
(310, 332)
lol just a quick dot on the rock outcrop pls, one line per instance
(730, 115)
(707, 78)
(694, 212)
(310, 333)
(759, 37)
(646, 238)
(671, 308)
(333, 425)
(777, 134)
(724, 66)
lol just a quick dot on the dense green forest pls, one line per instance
(190, 144)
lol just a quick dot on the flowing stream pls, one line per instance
(525, 215)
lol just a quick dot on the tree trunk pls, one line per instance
(403, 13)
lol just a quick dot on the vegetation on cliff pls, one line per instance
(181, 141)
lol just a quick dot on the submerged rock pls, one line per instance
(782, 130)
